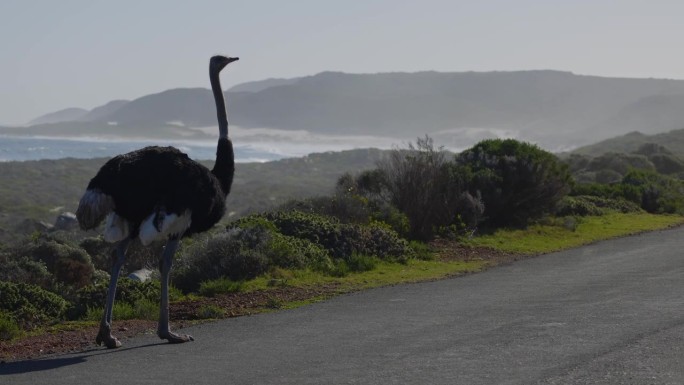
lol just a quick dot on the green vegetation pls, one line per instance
(344, 232)
(215, 287)
(9, 328)
(141, 309)
(518, 182)
(539, 238)
(257, 244)
(29, 305)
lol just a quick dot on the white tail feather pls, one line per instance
(166, 225)
(116, 228)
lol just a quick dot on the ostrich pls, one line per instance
(158, 193)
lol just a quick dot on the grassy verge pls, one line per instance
(541, 239)
(383, 274)
(537, 239)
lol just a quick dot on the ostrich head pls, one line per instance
(217, 62)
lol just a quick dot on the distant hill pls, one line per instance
(673, 141)
(79, 114)
(65, 115)
(100, 113)
(261, 85)
(554, 109)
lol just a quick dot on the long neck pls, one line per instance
(224, 168)
(220, 103)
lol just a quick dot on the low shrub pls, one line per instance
(653, 192)
(422, 251)
(359, 263)
(580, 205)
(29, 305)
(339, 239)
(232, 254)
(9, 329)
(128, 292)
(585, 205)
(219, 286)
(24, 269)
(69, 264)
(347, 208)
(259, 243)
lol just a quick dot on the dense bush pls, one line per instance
(653, 192)
(30, 305)
(584, 205)
(243, 253)
(518, 181)
(339, 239)
(24, 269)
(69, 264)
(659, 193)
(352, 204)
(426, 187)
(347, 208)
(608, 191)
(99, 251)
(292, 239)
(579, 206)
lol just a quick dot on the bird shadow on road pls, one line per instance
(40, 364)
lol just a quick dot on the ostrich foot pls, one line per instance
(105, 336)
(174, 338)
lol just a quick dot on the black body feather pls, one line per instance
(163, 179)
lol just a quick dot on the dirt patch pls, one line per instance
(448, 250)
(184, 314)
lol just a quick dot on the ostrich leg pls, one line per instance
(105, 333)
(163, 330)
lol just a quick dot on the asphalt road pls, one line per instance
(609, 313)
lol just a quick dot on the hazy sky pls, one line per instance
(84, 53)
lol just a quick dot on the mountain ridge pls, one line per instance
(552, 108)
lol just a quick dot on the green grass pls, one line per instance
(383, 274)
(540, 239)
(219, 286)
(142, 309)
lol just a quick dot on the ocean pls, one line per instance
(253, 145)
(36, 148)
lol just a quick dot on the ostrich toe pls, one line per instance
(105, 336)
(174, 338)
